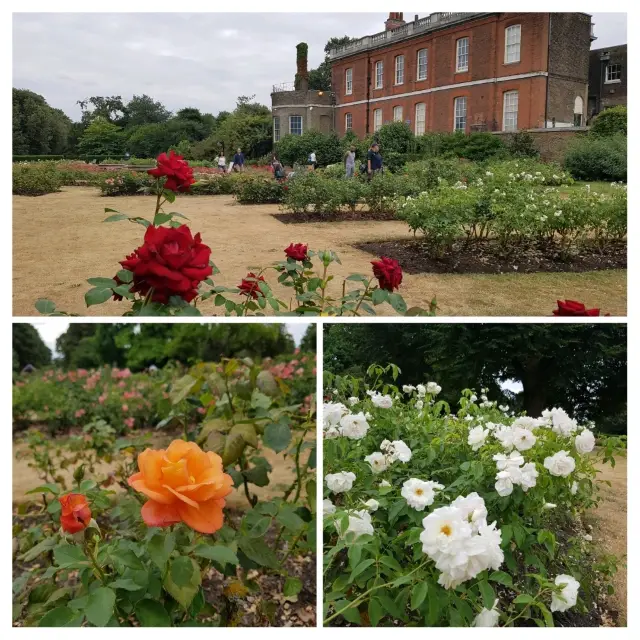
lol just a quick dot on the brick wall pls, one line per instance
(552, 143)
(601, 93)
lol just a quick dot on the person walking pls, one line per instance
(374, 161)
(222, 162)
(238, 161)
(278, 169)
(350, 162)
(312, 161)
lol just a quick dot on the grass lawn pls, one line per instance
(59, 240)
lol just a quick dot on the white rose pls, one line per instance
(340, 482)
(560, 464)
(523, 439)
(477, 437)
(528, 476)
(332, 412)
(574, 488)
(419, 493)
(419, 405)
(372, 505)
(549, 505)
(382, 402)
(568, 596)
(399, 451)
(408, 388)
(487, 617)
(328, 507)
(378, 461)
(504, 485)
(385, 483)
(585, 442)
(433, 388)
(353, 400)
(359, 524)
(354, 426)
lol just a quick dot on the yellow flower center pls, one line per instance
(446, 529)
(419, 492)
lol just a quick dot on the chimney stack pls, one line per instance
(302, 74)
(394, 20)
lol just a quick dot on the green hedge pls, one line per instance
(598, 158)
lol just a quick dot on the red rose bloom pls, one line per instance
(75, 514)
(297, 251)
(176, 169)
(388, 272)
(573, 308)
(249, 285)
(171, 262)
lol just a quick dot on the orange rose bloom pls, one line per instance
(184, 484)
(75, 514)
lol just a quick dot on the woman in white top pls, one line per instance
(222, 162)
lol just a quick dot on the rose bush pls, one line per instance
(467, 518)
(165, 549)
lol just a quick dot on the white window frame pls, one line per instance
(397, 113)
(276, 129)
(462, 54)
(419, 64)
(290, 127)
(348, 81)
(399, 66)
(348, 122)
(512, 40)
(460, 100)
(421, 118)
(379, 74)
(377, 119)
(510, 101)
(608, 73)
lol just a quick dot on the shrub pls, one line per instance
(296, 149)
(521, 145)
(395, 137)
(125, 183)
(610, 122)
(260, 191)
(36, 179)
(427, 174)
(598, 158)
(475, 146)
(35, 158)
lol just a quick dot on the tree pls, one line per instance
(320, 78)
(101, 138)
(110, 108)
(38, 129)
(28, 347)
(308, 342)
(144, 110)
(91, 345)
(579, 367)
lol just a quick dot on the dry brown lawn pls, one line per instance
(59, 241)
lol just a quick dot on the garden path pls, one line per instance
(59, 241)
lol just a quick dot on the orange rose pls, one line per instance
(75, 514)
(184, 484)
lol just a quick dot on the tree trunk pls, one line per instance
(534, 395)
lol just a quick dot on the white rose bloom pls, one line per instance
(523, 439)
(422, 390)
(524, 422)
(433, 388)
(382, 402)
(549, 505)
(473, 509)
(574, 488)
(368, 416)
(340, 482)
(504, 408)
(398, 451)
(419, 493)
(385, 483)
(477, 437)
(359, 523)
(506, 436)
(408, 388)
(528, 476)
(328, 507)
(504, 484)
(560, 422)
(419, 405)
(372, 505)
(568, 596)
(378, 461)
(487, 617)
(332, 412)
(353, 400)
(560, 464)
(332, 432)
(585, 442)
(506, 462)
(473, 398)
(354, 426)
(468, 418)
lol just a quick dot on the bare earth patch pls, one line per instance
(59, 241)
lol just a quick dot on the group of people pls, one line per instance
(237, 163)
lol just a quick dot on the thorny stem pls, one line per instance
(324, 286)
(95, 564)
(364, 295)
(247, 493)
(291, 548)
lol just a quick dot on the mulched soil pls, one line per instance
(487, 256)
(340, 216)
(248, 610)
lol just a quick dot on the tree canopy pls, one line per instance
(320, 78)
(28, 347)
(581, 367)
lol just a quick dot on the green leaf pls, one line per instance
(502, 578)
(58, 617)
(365, 564)
(128, 584)
(125, 276)
(161, 218)
(292, 587)
(289, 519)
(260, 527)
(523, 598)
(351, 614)
(44, 306)
(116, 217)
(183, 594)
(376, 612)
(181, 388)
(68, 556)
(182, 569)
(418, 594)
(487, 593)
(99, 609)
(46, 488)
(257, 475)
(277, 436)
(379, 296)
(101, 283)
(97, 296)
(217, 553)
(546, 614)
(259, 553)
(398, 303)
(45, 545)
(392, 563)
(151, 613)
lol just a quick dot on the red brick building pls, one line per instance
(467, 72)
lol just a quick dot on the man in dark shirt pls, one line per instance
(238, 161)
(374, 161)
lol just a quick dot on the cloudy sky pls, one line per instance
(203, 60)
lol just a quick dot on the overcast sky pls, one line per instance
(51, 328)
(203, 60)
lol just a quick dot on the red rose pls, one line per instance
(388, 272)
(75, 514)
(249, 285)
(177, 171)
(297, 251)
(171, 262)
(573, 308)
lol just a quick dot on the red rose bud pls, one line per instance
(171, 261)
(573, 308)
(75, 514)
(388, 272)
(297, 251)
(178, 173)
(249, 285)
